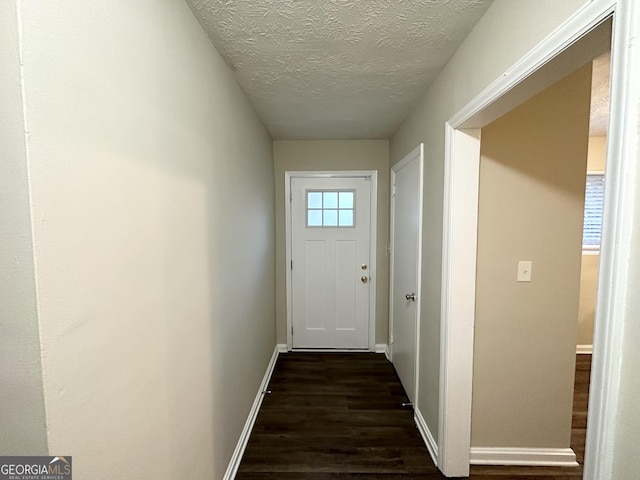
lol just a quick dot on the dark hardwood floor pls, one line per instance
(339, 416)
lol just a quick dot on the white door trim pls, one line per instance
(373, 228)
(419, 153)
(460, 209)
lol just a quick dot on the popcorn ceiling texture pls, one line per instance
(598, 124)
(320, 69)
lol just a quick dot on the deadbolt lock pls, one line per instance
(363, 266)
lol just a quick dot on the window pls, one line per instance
(594, 200)
(330, 208)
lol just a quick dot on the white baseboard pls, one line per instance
(548, 457)
(234, 463)
(381, 348)
(332, 350)
(429, 441)
(282, 348)
(584, 349)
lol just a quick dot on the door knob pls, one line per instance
(410, 296)
(364, 279)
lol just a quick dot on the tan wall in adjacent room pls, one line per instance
(532, 181)
(589, 272)
(588, 292)
(328, 155)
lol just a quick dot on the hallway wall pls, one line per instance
(153, 222)
(22, 415)
(506, 32)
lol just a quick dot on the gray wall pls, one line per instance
(151, 181)
(506, 32)
(22, 413)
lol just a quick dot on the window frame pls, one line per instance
(337, 209)
(592, 249)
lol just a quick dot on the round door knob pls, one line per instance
(364, 279)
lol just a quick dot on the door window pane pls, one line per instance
(345, 218)
(314, 218)
(330, 208)
(345, 199)
(314, 200)
(330, 200)
(330, 218)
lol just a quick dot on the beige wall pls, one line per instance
(597, 155)
(532, 176)
(334, 155)
(22, 415)
(587, 305)
(589, 271)
(152, 196)
(506, 32)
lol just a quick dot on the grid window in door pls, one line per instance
(331, 208)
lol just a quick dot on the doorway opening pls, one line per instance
(533, 171)
(582, 38)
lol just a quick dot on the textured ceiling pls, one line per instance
(319, 69)
(598, 124)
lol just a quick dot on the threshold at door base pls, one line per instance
(333, 350)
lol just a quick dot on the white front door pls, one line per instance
(330, 239)
(406, 216)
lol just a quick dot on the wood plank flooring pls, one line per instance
(339, 416)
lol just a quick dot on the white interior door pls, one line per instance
(330, 239)
(406, 226)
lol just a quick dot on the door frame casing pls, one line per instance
(460, 218)
(372, 175)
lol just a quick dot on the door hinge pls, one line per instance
(291, 264)
(290, 196)
(393, 190)
(292, 330)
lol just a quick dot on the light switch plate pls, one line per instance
(524, 271)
